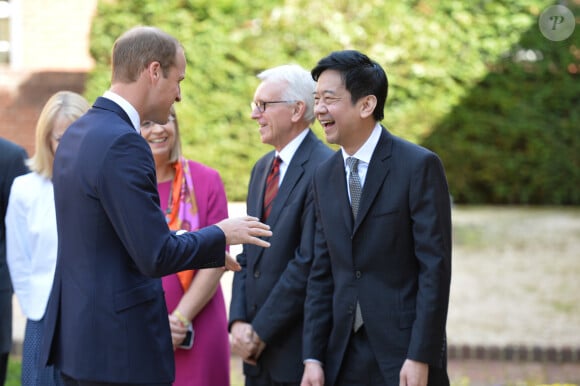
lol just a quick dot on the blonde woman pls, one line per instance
(192, 196)
(31, 238)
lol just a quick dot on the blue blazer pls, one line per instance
(395, 258)
(106, 319)
(270, 290)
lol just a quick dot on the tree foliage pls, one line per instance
(435, 54)
(515, 137)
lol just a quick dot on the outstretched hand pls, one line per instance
(245, 230)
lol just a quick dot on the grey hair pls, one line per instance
(300, 84)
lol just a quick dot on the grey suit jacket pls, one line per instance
(269, 292)
(395, 259)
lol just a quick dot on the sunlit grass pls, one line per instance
(13, 375)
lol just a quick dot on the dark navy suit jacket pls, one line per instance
(395, 258)
(12, 165)
(106, 319)
(269, 292)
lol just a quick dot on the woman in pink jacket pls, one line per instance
(192, 196)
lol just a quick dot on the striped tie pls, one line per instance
(354, 184)
(355, 188)
(271, 187)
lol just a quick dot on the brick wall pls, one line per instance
(51, 53)
(20, 108)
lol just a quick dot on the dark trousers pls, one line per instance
(359, 366)
(264, 379)
(68, 381)
(3, 367)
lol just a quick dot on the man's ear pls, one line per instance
(154, 71)
(298, 111)
(367, 106)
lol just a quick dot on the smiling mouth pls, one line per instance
(326, 123)
(158, 140)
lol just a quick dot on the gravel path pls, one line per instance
(516, 276)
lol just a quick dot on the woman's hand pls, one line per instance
(178, 331)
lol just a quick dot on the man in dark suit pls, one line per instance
(106, 321)
(266, 310)
(12, 165)
(378, 292)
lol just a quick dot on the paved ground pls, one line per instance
(486, 373)
(515, 281)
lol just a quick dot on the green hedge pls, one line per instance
(435, 53)
(515, 137)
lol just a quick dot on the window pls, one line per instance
(4, 32)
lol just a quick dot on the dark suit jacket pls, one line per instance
(106, 320)
(269, 292)
(12, 165)
(396, 259)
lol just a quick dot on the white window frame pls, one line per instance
(10, 9)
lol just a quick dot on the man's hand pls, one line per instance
(243, 343)
(313, 374)
(245, 230)
(260, 346)
(414, 373)
(232, 264)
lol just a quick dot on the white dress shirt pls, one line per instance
(31, 242)
(287, 153)
(364, 155)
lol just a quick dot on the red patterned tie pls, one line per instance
(271, 187)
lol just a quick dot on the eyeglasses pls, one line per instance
(261, 105)
(149, 124)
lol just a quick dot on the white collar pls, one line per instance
(287, 153)
(365, 152)
(126, 106)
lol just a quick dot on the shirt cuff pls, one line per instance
(310, 360)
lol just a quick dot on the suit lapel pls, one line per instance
(261, 176)
(293, 174)
(376, 175)
(337, 191)
(291, 179)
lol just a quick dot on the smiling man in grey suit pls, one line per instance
(378, 292)
(266, 310)
(106, 321)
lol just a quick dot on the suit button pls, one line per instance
(358, 274)
(257, 274)
(350, 310)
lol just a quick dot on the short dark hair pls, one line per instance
(361, 76)
(137, 48)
